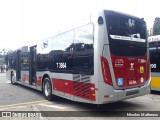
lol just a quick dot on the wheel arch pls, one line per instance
(50, 96)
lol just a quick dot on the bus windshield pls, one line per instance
(126, 31)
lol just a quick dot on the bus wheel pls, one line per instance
(13, 79)
(47, 89)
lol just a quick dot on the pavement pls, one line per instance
(26, 111)
(39, 109)
(3, 74)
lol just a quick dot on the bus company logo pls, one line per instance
(131, 22)
(119, 63)
(141, 61)
(131, 66)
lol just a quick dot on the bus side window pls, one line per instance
(158, 59)
(83, 50)
(24, 61)
(152, 52)
(62, 53)
(155, 59)
(42, 61)
(12, 62)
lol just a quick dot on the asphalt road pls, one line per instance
(20, 98)
(13, 94)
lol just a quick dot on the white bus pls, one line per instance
(102, 61)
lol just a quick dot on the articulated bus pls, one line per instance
(102, 61)
(154, 48)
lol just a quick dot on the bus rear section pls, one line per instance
(154, 48)
(125, 60)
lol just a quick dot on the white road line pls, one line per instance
(53, 106)
(8, 81)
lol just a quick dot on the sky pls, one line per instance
(23, 22)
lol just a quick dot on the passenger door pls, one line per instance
(32, 65)
(18, 72)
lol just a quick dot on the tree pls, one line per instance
(2, 61)
(156, 26)
(3, 53)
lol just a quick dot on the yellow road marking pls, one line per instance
(20, 104)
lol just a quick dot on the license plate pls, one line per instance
(132, 93)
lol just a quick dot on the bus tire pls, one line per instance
(47, 89)
(13, 80)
